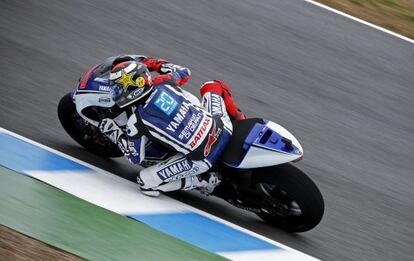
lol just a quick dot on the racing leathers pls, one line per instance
(197, 133)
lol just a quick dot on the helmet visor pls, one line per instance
(123, 97)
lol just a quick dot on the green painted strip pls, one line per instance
(76, 226)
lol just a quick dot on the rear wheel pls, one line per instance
(290, 199)
(83, 132)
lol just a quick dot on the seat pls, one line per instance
(241, 129)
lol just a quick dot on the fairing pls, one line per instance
(268, 145)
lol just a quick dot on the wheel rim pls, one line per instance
(277, 202)
(91, 133)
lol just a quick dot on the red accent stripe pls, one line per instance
(85, 78)
(120, 66)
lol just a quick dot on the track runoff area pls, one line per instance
(108, 191)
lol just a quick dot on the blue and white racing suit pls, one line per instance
(198, 134)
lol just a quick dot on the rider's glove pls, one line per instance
(153, 64)
(110, 129)
(180, 75)
(167, 68)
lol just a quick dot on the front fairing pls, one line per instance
(94, 91)
(96, 79)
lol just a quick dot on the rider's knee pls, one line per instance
(216, 86)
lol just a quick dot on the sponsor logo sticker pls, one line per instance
(212, 138)
(179, 116)
(177, 170)
(191, 126)
(140, 81)
(135, 93)
(104, 100)
(216, 105)
(104, 88)
(201, 133)
(126, 79)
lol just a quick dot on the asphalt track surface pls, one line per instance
(344, 89)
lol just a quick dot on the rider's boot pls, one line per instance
(205, 182)
(147, 191)
(222, 89)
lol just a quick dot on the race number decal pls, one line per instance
(166, 103)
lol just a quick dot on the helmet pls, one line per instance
(129, 81)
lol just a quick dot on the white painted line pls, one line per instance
(96, 188)
(104, 172)
(268, 255)
(122, 196)
(361, 21)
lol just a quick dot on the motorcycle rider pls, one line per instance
(158, 110)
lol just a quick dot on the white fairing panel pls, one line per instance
(285, 133)
(92, 99)
(257, 157)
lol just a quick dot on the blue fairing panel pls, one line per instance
(271, 140)
(263, 137)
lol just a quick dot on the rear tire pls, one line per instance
(84, 133)
(291, 199)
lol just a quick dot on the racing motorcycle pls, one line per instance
(256, 170)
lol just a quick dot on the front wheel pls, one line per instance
(291, 200)
(84, 133)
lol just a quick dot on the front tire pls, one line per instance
(291, 200)
(84, 133)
